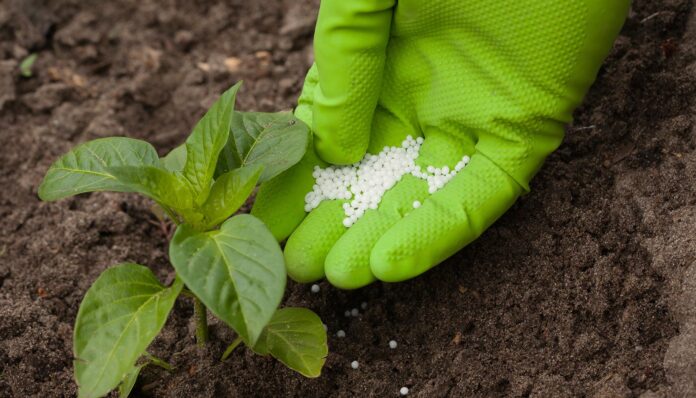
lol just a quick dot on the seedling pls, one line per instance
(228, 264)
(25, 67)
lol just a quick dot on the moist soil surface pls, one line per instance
(585, 288)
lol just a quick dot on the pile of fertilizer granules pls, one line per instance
(363, 184)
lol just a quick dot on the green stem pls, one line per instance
(201, 314)
(231, 348)
(186, 292)
(159, 362)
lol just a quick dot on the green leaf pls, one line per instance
(85, 168)
(206, 141)
(275, 140)
(175, 160)
(238, 271)
(126, 386)
(229, 192)
(119, 317)
(297, 338)
(26, 65)
(161, 185)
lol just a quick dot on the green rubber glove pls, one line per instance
(496, 80)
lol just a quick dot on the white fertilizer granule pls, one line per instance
(363, 184)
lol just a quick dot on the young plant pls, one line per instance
(230, 265)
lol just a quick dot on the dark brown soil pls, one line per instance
(586, 288)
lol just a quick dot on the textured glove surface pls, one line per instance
(495, 80)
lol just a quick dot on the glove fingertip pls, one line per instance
(341, 153)
(280, 223)
(302, 268)
(344, 107)
(387, 267)
(347, 280)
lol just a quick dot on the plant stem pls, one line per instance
(159, 362)
(201, 314)
(231, 348)
(186, 292)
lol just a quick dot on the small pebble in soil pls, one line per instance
(341, 334)
(326, 328)
(363, 305)
(354, 365)
(416, 204)
(315, 288)
(392, 344)
(354, 312)
(347, 313)
(403, 391)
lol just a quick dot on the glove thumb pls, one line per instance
(350, 49)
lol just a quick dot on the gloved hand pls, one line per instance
(495, 80)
